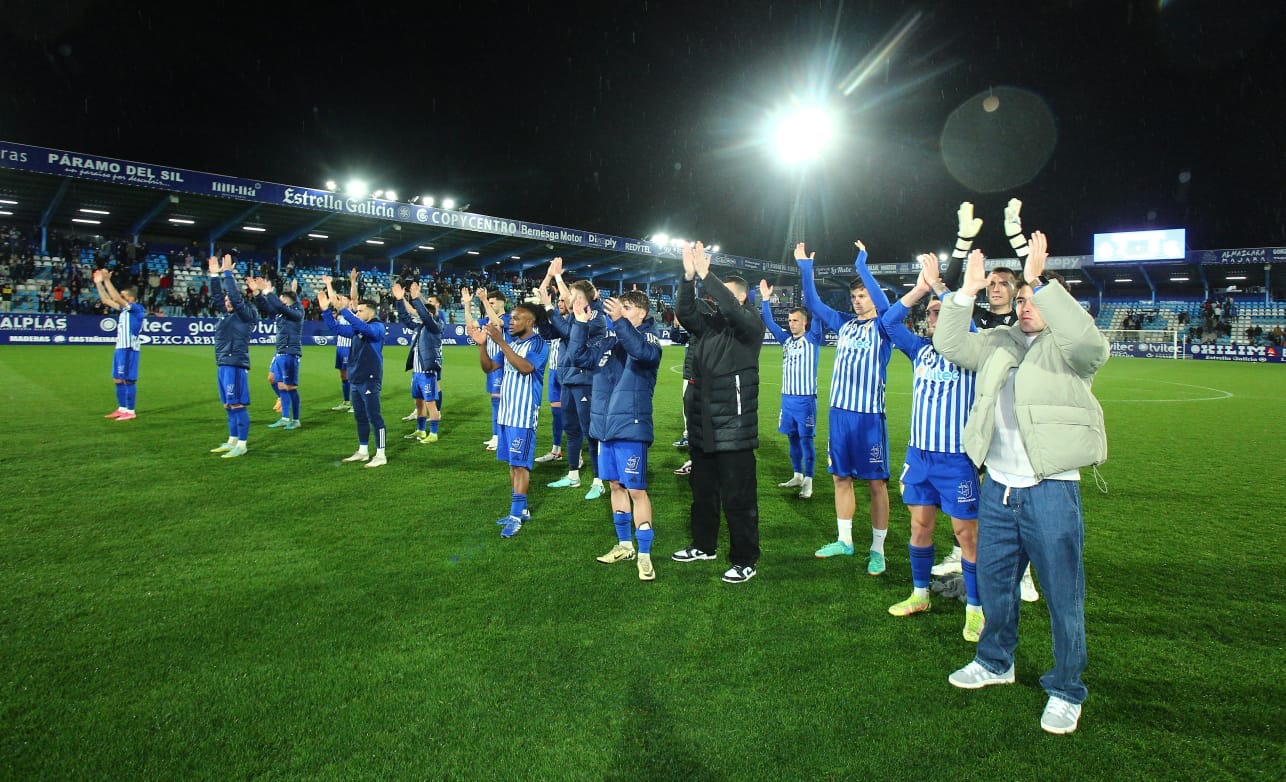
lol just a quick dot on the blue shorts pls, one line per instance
(341, 358)
(424, 385)
(623, 461)
(555, 390)
(234, 385)
(285, 369)
(947, 480)
(517, 446)
(858, 445)
(798, 415)
(125, 364)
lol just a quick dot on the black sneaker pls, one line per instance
(691, 554)
(739, 573)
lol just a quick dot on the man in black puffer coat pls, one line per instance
(722, 406)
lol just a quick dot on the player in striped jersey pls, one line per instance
(937, 472)
(129, 325)
(524, 354)
(798, 417)
(425, 360)
(343, 345)
(859, 438)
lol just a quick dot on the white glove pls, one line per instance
(1013, 221)
(969, 225)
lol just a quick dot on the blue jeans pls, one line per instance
(1042, 524)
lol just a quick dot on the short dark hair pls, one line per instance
(537, 312)
(1005, 270)
(369, 303)
(856, 285)
(637, 298)
(808, 316)
(738, 281)
(586, 288)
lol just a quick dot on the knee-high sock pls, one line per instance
(644, 535)
(517, 504)
(131, 394)
(558, 426)
(796, 453)
(809, 448)
(232, 422)
(120, 396)
(294, 403)
(969, 570)
(921, 565)
(623, 520)
(243, 423)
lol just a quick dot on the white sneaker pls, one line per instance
(806, 490)
(1060, 716)
(341, 407)
(549, 457)
(1030, 595)
(410, 417)
(493, 443)
(795, 482)
(360, 456)
(973, 676)
(646, 571)
(379, 460)
(234, 452)
(949, 564)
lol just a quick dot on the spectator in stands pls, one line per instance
(1276, 334)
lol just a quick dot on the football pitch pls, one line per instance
(167, 614)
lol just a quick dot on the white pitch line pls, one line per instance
(1222, 394)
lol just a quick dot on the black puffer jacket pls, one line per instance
(722, 402)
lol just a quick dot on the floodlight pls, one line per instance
(802, 134)
(377, 194)
(331, 186)
(473, 252)
(426, 247)
(86, 222)
(375, 241)
(942, 256)
(6, 213)
(661, 238)
(714, 249)
(515, 257)
(1235, 278)
(182, 221)
(7, 202)
(94, 212)
(318, 236)
(355, 188)
(254, 229)
(448, 203)
(1122, 279)
(426, 200)
(391, 195)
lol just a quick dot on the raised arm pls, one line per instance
(233, 291)
(359, 326)
(967, 227)
(430, 321)
(878, 298)
(108, 294)
(894, 319)
(765, 291)
(1072, 328)
(828, 317)
(953, 338)
(643, 347)
(277, 307)
(745, 321)
(495, 333)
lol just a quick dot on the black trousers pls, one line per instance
(725, 480)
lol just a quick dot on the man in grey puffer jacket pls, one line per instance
(1034, 423)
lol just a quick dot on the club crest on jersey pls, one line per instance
(632, 464)
(965, 491)
(516, 445)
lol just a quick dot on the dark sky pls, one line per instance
(636, 116)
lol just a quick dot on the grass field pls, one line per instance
(165, 614)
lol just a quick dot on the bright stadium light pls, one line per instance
(942, 256)
(85, 221)
(661, 238)
(377, 194)
(182, 221)
(714, 248)
(391, 195)
(355, 188)
(94, 212)
(7, 202)
(331, 185)
(254, 229)
(1236, 278)
(426, 247)
(426, 200)
(1122, 279)
(801, 134)
(5, 213)
(375, 241)
(448, 203)
(472, 252)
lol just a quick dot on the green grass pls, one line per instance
(166, 614)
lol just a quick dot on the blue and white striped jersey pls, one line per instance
(799, 354)
(341, 342)
(861, 367)
(128, 325)
(941, 395)
(520, 394)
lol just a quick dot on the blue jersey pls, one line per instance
(519, 393)
(941, 392)
(366, 357)
(863, 351)
(232, 332)
(289, 320)
(798, 356)
(128, 326)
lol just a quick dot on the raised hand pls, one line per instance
(1013, 217)
(323, 300)
(929, 269)
(975, 277)
(213, 265)
(612, 309)
(327, 279)
(765, 290)
(294, 286)
(858, 244)
(969, 226)
(477, 334)
(580, 306)
(494, 331)
(1035, 265)
(701, 260)
(227, 263)
(415, 289)
(556, 267)
(689, 265)
(802, 254)
(465, 296)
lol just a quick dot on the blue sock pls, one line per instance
(623, 520)
(796, 453)
(970, 572)
(558, 427)
(243, 423)
(433, 425)
(921, 565)
(439, 399)
(294, 403)
(517, 505)
(809, 447)
(120, 396)
(348, 390)
(644, 535)
(495, 414)
(131, 394)
(232, 423)
(419, 423)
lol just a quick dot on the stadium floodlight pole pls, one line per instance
(1148, 278)
(233, 222)
(48, 214)
(1205, 282)
(147, 217)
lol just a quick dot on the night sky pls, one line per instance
(634, 117)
